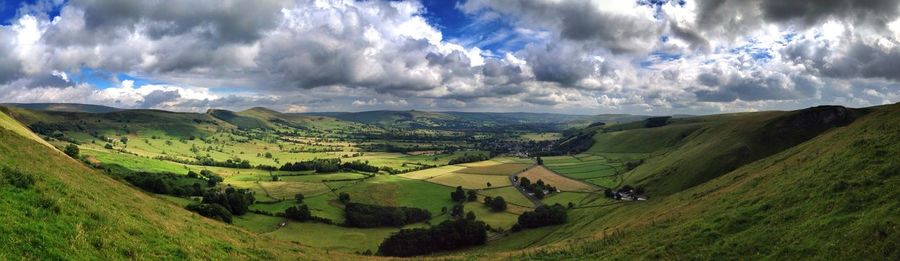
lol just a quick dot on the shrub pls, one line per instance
(71, 150)
(344, 197)
(214, 211)
(17, 178)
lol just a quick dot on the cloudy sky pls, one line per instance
(569, 56)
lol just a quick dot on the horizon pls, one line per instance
(565, 57)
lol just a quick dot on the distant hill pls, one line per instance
(68, 107)
(463, 120)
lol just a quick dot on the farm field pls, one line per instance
(493, 168)
(331, 237)
(560, 182)
(471, 181)
(510, 194)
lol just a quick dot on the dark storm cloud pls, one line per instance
(757, 87)
(553, 63)
(857, 59)
(222, 21)
(157, 97)
(873, 12)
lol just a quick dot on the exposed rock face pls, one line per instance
(822, 118)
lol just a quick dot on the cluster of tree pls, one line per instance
(206, 161)
(214, 211)
(364, 215)
(359, 166)
(299, 213)
(541, 216)
(461, 195)
(167, 183)
(329, 166)
(449, 235)
(229, 163)
(496, 204)
(319, 165)
(537, 188)
(237, 201)
(466, 158)
(654, 122)
(211, 178)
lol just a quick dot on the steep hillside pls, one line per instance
(832, 197)
(55, 208)
(687, 152)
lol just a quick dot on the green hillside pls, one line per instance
(68, 211)
(833, 196)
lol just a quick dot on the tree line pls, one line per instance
(449, 235)
(366, 216)
(329, 166)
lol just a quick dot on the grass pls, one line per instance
(331, 237)
(484, 168)
(258, 223)
(471, 181)
(510, 194)
(432, 172)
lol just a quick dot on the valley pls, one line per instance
(290, 180)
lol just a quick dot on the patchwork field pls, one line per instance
(549, 177)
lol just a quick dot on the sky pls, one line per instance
(654, 57)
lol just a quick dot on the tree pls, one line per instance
(299, 213)
(299, 197)
(543, 216)
(470, 216)
(472, 196)
(108, 146)
(268, 155)
(489, 184)
(498, 204)
(124, 140)
(344, 197)
(487, 200)
(72, 150)
(459, 195)
(540, 161)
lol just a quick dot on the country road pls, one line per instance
(512, 180)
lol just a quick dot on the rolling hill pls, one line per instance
(56, 208)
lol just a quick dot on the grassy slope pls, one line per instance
(73, 212)
(691, 151)
(832, 197)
